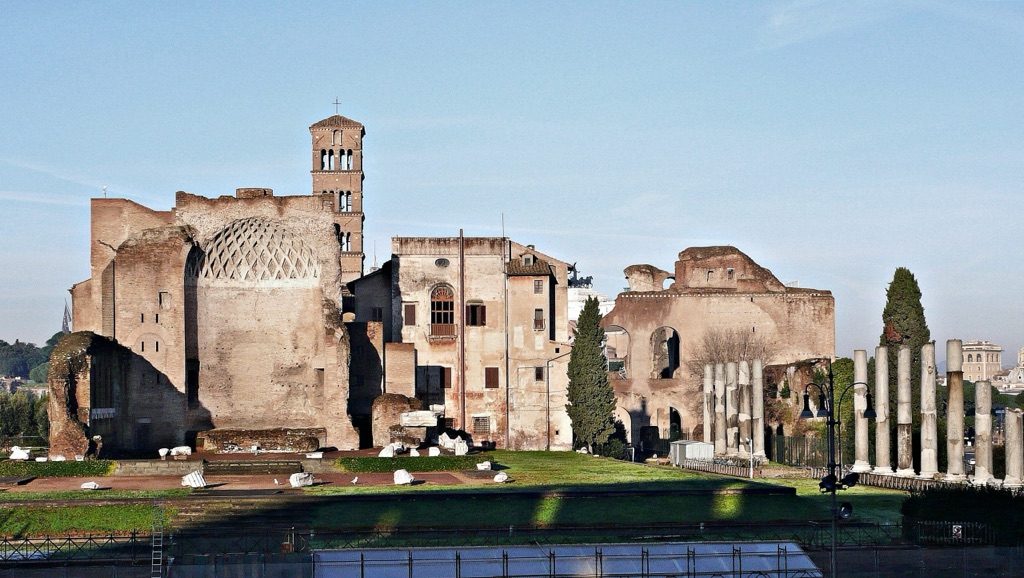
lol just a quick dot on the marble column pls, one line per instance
(860, 404)
(955, 411)
(719, 410)
(709, 401)
(929, 417)
(883, 459)
(732, 410)
(757, 417)
(904, 416)
(982, 433)
(745, 409)
(1014, 449)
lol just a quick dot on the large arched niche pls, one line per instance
(254, 328)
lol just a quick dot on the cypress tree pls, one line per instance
(591, 398)
(903, 323)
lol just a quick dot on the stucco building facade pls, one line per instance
(478, 325)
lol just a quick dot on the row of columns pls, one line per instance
(929, 420)
(734, 408)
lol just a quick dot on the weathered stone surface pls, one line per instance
(484, 466)
(433, 451)
(301, 479)
(461, 447)
(403, 477)
(955, 411)
(387, 451)
(194, 480)
(386, 413)
(712, 289)
(291, 440)
(860, 404)
(90, 486)
(421, 418)
(501, 477)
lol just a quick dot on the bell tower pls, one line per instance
(338, 176)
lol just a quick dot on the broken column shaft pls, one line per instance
(982, 433)
(757, 421)
(883, 459)
(860, 404)
(954, 411)
(1014, 449)
(904, 416)
(929, 424)
(720, 419)
(743, 388)
(732, 409)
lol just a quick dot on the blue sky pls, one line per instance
(831, 142)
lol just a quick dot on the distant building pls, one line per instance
(982, 360)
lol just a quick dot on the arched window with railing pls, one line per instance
(442, 311)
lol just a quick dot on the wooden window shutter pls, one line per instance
(491, 377)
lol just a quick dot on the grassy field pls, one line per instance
(542, 474)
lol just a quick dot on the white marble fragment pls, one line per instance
(403, 477)
(301, 479)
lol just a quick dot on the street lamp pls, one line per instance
(831, 482)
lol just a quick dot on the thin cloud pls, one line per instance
(803, 20)
(43, 198)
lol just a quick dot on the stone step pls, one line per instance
(251, 467)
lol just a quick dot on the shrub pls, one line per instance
(68, 469)
(417, 464)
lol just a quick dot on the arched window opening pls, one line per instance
(665, 353)
(331, 159)
(442, 312)
(323, 160)
(348, 160)
(675, 424)
(616, 350)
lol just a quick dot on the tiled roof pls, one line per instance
(539, 267)
(336, 121)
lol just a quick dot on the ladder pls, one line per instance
(157, 539)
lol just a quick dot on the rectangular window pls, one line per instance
(156, 318)
(409, 314)
(491, 377)
(476, 315)
(377, 314)
(538, 286)
(449, 423)
(481, 425)
(538, 319)
(446, 377)
(538, 373)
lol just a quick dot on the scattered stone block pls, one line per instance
(403, 477)
(461, 447)
(433, 451)
(194, 480)
(421, 418)
(90, 486)
(387, 451)
(484, 466)
(301, 479)
(41, 459)
(181, 451)
(20, 454)
(58, 458)
(414, 453)
(501, 477)
(315, 455)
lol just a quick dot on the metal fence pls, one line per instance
(799, 451)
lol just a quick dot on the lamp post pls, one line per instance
(831, 483)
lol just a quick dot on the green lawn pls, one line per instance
(545, 474)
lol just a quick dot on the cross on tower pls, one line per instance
(336, 104)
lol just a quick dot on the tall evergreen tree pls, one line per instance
(903, 323)
(591, 398)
